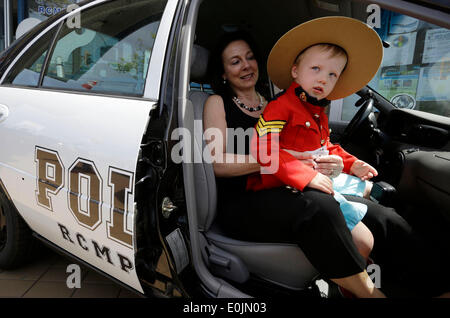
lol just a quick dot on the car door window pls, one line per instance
(27, 69)
(415, 72)
(109, 51)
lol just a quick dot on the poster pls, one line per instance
(434, 83)
(399, 84)
(424, 85)
(437, 46)
(401, 51)
(402, 24)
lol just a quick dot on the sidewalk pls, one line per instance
(46, 278)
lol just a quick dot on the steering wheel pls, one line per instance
(362, 114)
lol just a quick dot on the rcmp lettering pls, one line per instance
(101, 251)
(49, 10)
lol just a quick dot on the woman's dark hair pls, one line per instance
(215, 65)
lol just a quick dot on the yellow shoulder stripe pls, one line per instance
(272, 126)
(275, 122)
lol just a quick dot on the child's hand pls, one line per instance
(363, 170)
(322, 183)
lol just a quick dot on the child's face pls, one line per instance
(317, 72)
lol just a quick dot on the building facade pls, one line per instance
(13, 12)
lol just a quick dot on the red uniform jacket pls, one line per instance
(289, 123)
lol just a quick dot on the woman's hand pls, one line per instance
(322, 183)
(363, 170)
(330, 165)
(306, 158)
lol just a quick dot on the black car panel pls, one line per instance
(425, 179)
(419, 128)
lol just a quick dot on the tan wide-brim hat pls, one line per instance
(362, 44)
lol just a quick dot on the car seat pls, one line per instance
(282, 264)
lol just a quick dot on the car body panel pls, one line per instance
(76, 128)
(152, 87)
(72, 173)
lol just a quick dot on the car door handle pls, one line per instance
(4, 112)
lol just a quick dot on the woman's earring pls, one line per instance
(224, 81)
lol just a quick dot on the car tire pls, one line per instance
(16, 241)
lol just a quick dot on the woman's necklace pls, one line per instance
(250, 109)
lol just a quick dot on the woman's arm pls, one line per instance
(214, 124)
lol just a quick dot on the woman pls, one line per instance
(278, 214)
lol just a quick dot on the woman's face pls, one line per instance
(240, 66)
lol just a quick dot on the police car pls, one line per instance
(94, 104)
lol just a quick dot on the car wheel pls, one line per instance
(15, 237)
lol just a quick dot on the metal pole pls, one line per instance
(20, 11)
(8, 22)
(3, 17)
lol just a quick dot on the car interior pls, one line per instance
(409, 148)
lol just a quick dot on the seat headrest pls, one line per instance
(199, 64)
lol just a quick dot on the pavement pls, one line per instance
(46, 277)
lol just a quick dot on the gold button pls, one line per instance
(303, 96)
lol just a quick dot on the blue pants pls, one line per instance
(350, 185)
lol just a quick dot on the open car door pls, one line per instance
(76, 103)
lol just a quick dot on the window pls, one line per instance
(27, 70)
(415, 72)
(109, 51)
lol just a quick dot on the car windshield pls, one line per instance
(415, 72)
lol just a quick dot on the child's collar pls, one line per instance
(305, 97)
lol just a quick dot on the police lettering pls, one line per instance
(85, 189)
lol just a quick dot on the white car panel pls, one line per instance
(155, 68)
(104, 131)
(72, 170)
